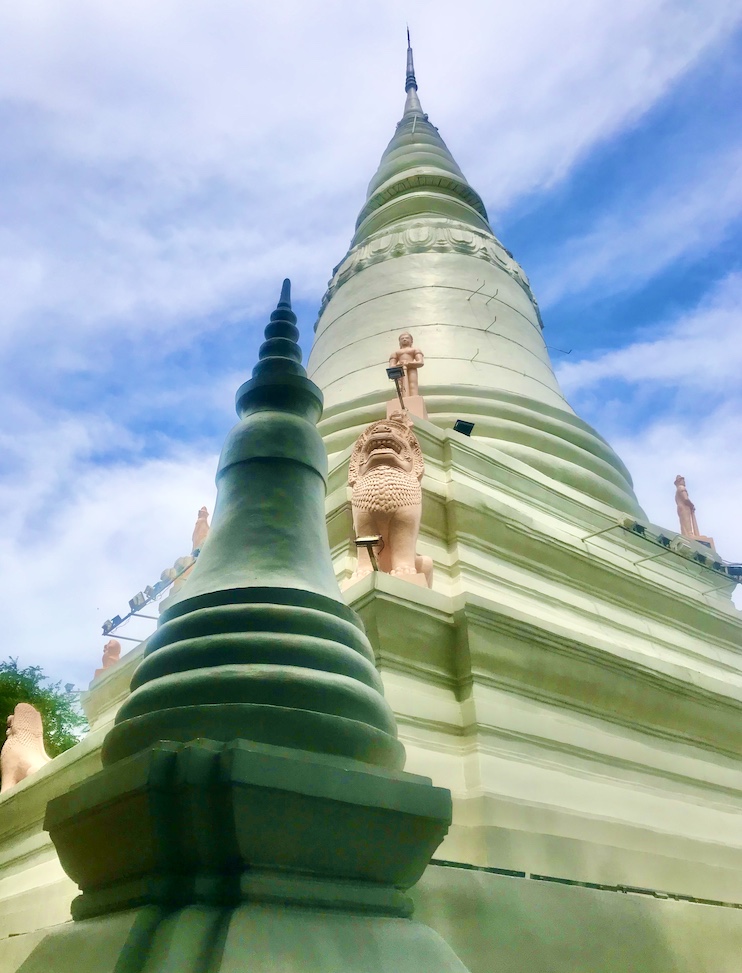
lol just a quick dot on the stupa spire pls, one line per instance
(412, 104)
(423, 253)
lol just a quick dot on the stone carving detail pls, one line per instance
(427, 237)
(687, 514)
(23, 752)
(111, 655)
(385, 470)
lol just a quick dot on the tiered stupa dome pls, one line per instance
(424, 259)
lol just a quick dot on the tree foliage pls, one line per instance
(60, 712)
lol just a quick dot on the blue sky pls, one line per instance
(162, 168)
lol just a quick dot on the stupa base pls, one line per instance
(219, 824)
(257, 937)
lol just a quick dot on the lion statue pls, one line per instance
(23, 752)
(385, 470)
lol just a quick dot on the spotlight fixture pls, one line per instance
(464, 427)
(396, 374)
(111, 623)
(149, 592)
(682, 546)
(370, 543)
(138, 601)
(734, 571)
(634, 525)
(663, 540)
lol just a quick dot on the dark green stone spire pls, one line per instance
(256, 759)
(259, 644)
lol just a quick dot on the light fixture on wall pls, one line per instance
(370, 543)
(464, 427)
(396, 374)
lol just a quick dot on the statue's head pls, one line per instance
(112, 650)
(679, 481)
(405, 340)
(25, 722)
(203, 513)
(389, 442)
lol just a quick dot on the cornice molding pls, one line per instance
(427, 236)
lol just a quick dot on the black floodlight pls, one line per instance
(370, 543)
(734, 571)
(630, 524)
(111, 623)
(663, 540)
(138, 601)
(464, 427)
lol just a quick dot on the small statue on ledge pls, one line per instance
(200, 531)
(410, 359)
(385, 470)
(687, 514)
(179, 572)
(23, 752)
(111, 655)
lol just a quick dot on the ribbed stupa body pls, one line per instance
(259, 644)
(424, 260)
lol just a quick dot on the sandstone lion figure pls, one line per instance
(23, 752)
(385, 470)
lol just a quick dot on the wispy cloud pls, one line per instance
(699, 351)
(688, 212)
(70, 561)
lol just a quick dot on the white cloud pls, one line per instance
(72, 559)
(700, 351)
(168, 159)
(688, 213)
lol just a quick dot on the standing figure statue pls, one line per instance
(23, 752)
(686, 509)
(409, 358)
(687, 515)
(200, 531)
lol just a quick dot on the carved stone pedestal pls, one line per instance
(415, 405)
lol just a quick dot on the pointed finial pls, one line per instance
(410, 81)
(280, 352)
(412, 104)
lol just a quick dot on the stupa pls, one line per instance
(573, 676)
